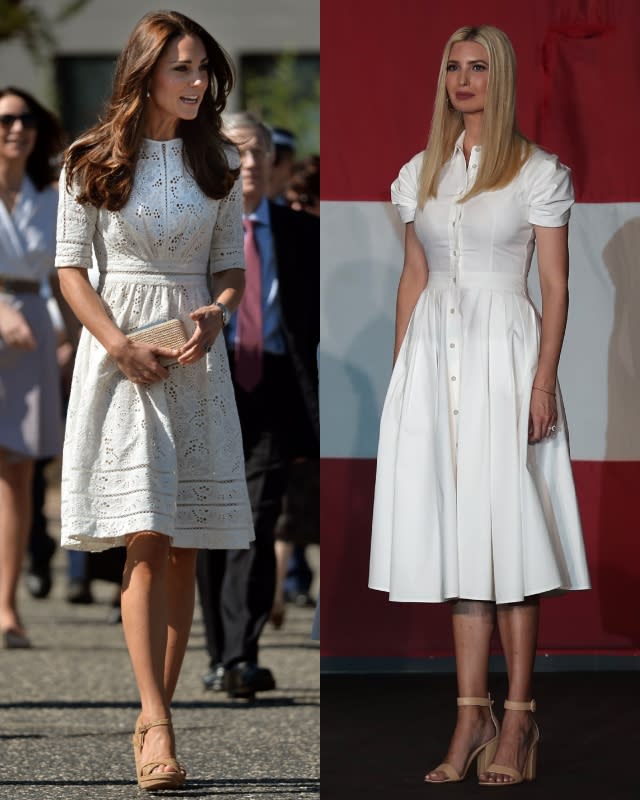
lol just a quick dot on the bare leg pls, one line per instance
(181, 587)
(283, 554)
(518, 625)
(15, 523)
(145, 619)
(473, 625)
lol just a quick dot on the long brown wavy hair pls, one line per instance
(103, 159)
(50, 140)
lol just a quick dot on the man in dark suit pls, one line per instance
(272, 342)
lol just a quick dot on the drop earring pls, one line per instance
(148, 93)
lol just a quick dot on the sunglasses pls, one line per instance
(28, 120)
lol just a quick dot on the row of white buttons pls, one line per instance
(456, 218)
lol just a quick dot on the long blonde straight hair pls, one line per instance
(504, 148)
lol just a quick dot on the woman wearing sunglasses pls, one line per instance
(30, 417)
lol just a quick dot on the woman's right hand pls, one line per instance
(139, 362)
(136, 360)
(15, 329)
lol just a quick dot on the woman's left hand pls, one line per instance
(208, 321)
(543, 416)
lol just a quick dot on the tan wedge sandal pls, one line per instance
(529, 771)
(147, 779)
(483, 754)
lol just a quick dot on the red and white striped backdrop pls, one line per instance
(579, 96)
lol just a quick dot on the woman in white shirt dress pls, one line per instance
(30, 413)
(474, 501)
(153, 450)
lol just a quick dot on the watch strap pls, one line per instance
(226, 314)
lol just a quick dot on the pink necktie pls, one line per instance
(248, 347)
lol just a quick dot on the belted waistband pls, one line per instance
(114, 276)
(493, 281)
(18, 286)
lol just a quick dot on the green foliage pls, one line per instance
(285, 92)
(23, 20)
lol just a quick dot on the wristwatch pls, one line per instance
(226, 314)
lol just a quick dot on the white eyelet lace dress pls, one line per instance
(464, 506)
(166, 457)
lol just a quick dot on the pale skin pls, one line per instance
(474, 621)
(17, 142)
(159, 580)
(284, 551)
(15, 523)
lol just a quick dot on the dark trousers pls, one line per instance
(299, 575)
(41, 545)
(236, 587)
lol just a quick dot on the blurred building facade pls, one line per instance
(74, 77)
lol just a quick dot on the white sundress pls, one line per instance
(166, 457)
(464, 506)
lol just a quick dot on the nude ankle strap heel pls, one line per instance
(482, 754)
(486, 702)
(147, 778)
(515, 705)
(529, 771)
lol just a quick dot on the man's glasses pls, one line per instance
(28, 120)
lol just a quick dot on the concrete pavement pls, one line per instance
(68, 706)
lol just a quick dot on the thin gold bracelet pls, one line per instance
(544, 390)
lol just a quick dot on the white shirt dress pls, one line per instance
(166, 457)
(30, 392)
(464, 506)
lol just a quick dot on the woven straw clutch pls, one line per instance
(169, 334)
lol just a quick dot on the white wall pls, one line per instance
(362, 251)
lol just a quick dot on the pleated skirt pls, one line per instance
(30, 395)
(166, 457)
(464, 506)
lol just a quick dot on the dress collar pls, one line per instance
(459, 142)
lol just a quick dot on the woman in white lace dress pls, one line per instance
(475, 502)
(153, 452)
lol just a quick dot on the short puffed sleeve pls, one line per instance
(404, 190)
(227, 243)
(76, 227)
(549, 189)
